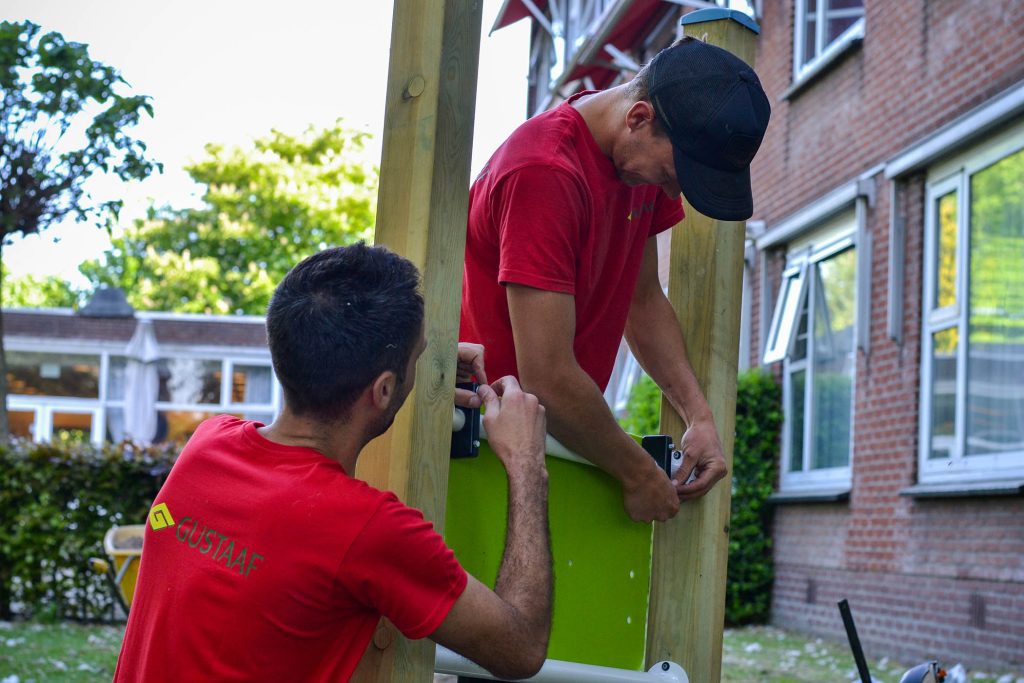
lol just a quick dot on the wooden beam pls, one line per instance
(687, 612)
(421, 213)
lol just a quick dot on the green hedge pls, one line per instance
(758, 422)
(56, 504)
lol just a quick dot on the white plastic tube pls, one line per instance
(556, 671)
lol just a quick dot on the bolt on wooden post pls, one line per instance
(687, 611)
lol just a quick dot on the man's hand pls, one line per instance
(515, 424)
(470, 365)
(650, 496)
(702, 454)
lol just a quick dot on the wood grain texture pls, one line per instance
(687, 612)
(421, 214)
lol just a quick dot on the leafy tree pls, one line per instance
(264, 209)
(62, 120)
(32, 291)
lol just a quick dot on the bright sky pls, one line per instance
(228, 71)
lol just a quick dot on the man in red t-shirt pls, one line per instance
(264, 559)
(561, 255)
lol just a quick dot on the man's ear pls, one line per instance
(640, 114)
(382, 391)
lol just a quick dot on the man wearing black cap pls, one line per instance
(561, 255)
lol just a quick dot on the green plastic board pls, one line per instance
(602, 560)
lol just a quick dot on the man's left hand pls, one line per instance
(702, 455)
(470, 365)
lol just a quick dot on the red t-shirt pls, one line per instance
(276, 566)
(549, 211)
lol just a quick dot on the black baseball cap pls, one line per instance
(713, 108)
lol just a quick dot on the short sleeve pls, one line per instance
(667, 213)
(541, 214)
(400, 567)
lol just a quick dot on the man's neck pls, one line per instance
(339, 442)
(602, 111)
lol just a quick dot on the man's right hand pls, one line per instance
(506, 631)
(515, 423)
(648, 494)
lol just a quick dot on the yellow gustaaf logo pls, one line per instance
(160, 517)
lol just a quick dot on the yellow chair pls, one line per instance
(123, 545)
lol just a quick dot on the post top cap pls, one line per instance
(717, 13)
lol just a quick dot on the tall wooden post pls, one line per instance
(421, 214)
(687, 612)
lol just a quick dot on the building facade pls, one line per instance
(120, 374)
(884, 289)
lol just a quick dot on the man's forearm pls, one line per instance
(524, 577)
(582, 422)
(657, 341)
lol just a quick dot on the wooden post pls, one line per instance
(687, 612)
(421, 213)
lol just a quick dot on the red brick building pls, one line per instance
(885, 290)
(903, 496)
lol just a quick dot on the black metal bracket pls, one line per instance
(661, 448)
(466, 441)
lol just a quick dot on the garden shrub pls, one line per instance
(56, 504)
(758, 422)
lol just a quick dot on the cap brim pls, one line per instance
(723, 195)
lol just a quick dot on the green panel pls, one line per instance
(602, 560)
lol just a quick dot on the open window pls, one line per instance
(813, 334)
(790, 301)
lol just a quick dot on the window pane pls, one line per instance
(800, 343)
(22, 423)
(188, 380)
(115, 380)
(834, 360)
(53, 374)
(944, 350)
(71, 428)
(178, 425)
(995, 335)
(810, 32)
(842, 14)
(945, 252)
(251, 384)
(795, 419)
(115, 425)
(785, 317)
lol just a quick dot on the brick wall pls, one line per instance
(926, 578)
(922, 63)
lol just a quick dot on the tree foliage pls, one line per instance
(264, 209)
(33, 291)
(62, 120)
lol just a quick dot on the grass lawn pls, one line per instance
(38, 653)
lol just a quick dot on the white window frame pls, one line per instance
(784, 320)
(45, 406)
(823, 244)
(227, 364)
(955, 174)
(823, 53)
